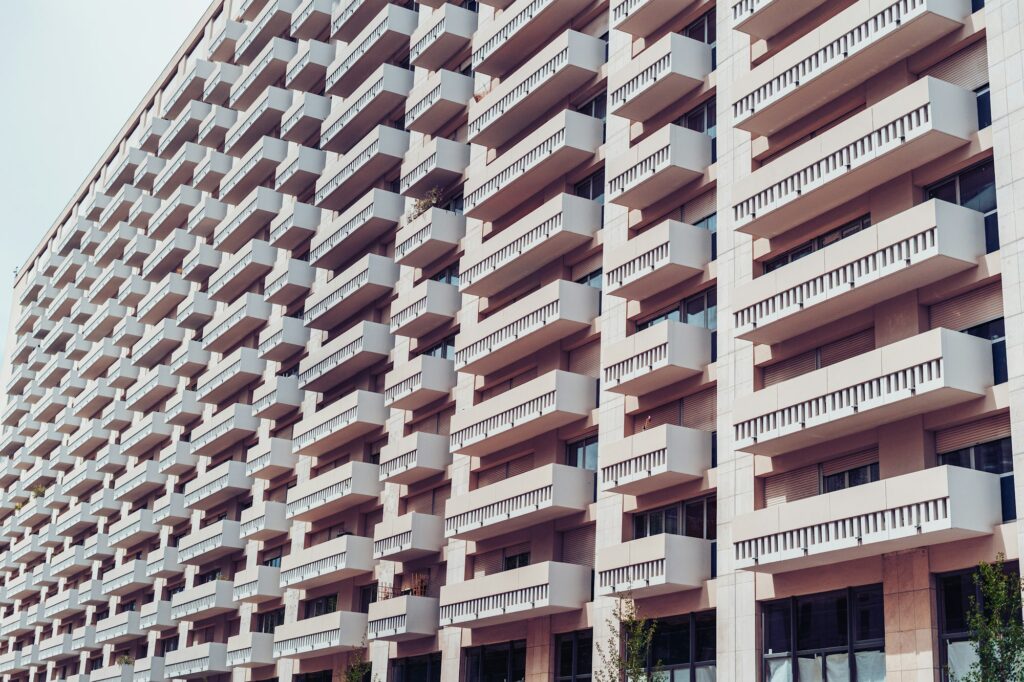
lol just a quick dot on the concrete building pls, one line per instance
(422, 334)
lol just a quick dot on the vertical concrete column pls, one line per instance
(911, 622)
(539, 654)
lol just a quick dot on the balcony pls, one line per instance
(382, 39)
(520, 594)
(168, 255)
(353, 117)
(447, 32)
(270, 458)
(277, 397)
(663, 163)
(132, 529)
(163, 563)
(258, 584)
(264, 520)
(370, 218)
(915, 248)
(301, 168)
(640, 18)
(930, 371)
(403, 618)
(170, 509)
(424, 308)
(419, 382)
(229, 427)
(67, 563)
(63, 604)
(161, 301)
(197, 661)
(269, 67)
(181, 409)
(153, 387)
(331, 633)
(765, 18)
(126, 578)
(219, 484)
(549, 402)
(437, 100)
(249, 172)
(656, 357)
(665, 72)
(251, 216)
(110, 673)
(546, 156)
(438, 162)
(350, 17)
(201, 262)
(569, 62)
(500, 42)
(296, 223)
(655, 459)
(238, 273)
(189, 359)
(339, 489)
(235, 371)
(428, 236)
(409, 536)
(211, 542)
(197, 312)
(653, 566)
(290, 279)
(354, 173)
(924, 508)
(211, 170)
(310, 19)
(250, 650)
(542, 236)
(156, 343)
(330, 303)
(415, 457)
(329, 562)
(184, 128)
(357, 414)
(156, 615)
(657, 260)
(549, 492)
(120, 627)
(925, 120)
(845, 51)
(55, 648)
(203, 601)
(235, 321)
(282, 338)
(140, 480)
(308, 67)
(539, 319)
(149, 669)
(305, 116)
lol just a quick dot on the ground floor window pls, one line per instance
(505, 662)
(425, 668)
(683, 648)
(574, 656)
(830, 637)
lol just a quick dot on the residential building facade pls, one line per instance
(418, 338)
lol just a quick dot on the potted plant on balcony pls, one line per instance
(124, 659)
(425, 203)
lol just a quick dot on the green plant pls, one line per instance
(124, 659)
(18, 505)
(624, 656)
(38, 490)
(995, 624)
(425, 203)
(358, 666)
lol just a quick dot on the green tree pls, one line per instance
(995, 624)
(624, 656)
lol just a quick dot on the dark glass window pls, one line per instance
(591, 279)
(684, 648)
(995, 457)
(168, 645)
(850, 478)
(591, 187)
(954, 593)
(817, 243)
(582, 453)
(711, 225)
(984, 101)
(268, 622)
(207, 577)
(445, 348)
(694, 518)
(974, 188)
(367, 595)
(455, 204)
(701, 310)
(272, 558)
(321, 605)
(450, 275)
(318, 676)
(703, 119)
(994, 331)
(417, 669)
(834, 636)
(514, 561)
(703, 30)
(597, 107)
(573, 656)
(497, 662)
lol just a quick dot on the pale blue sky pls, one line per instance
(73, 72)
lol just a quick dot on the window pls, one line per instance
(711, 225)
(321, 605)
(444, 348)
(591, 187)
(849, 478)
(995, 457)
(974, 188)
(268, 622)
(455, 204)
(994, 331)
(684, 648)
(208, 577)
(319, 676)
(825, 637)
(703, 120)
(573, 653)
(984, 101)
(818, 243)
(955, 591)
(700, 310)
(450, 275)
(497, 662)
(582, 454)
(367, 595)
(695, 518)
(591, 279)
(168, 645)
(703, 30)
(596, 107)
(272, 557)
(514, 561)
(417, 669)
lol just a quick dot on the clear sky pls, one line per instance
(73, 72)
